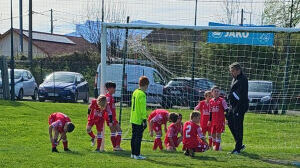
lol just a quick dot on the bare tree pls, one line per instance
(91, 30)
(231, 9)
(278, 12)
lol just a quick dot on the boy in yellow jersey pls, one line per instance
(138, 117)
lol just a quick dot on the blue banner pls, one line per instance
(240, 38)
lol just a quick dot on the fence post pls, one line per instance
(4, 76)
(286, 75)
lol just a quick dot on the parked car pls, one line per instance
(180, 91)
(114, 72)
(25, 84)
(64, 86)
(261, 98)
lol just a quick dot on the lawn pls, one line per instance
(272, 141)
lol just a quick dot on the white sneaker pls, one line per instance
(132, 156)
(140, 157)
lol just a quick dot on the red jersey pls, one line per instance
(110, 108)
(217, 109)
(191, 134)
(204, 109)
(159, 116)
(173, 130)
(95, 112)
(58, 120)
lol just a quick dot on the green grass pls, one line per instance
(272, 141)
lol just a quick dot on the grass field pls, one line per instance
(272, 141)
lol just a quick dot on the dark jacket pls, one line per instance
(238, 96)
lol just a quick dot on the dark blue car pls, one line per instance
(64, 86)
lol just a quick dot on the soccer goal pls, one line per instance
(182, 62)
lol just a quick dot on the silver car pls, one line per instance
(25, 84)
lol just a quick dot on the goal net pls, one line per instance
(182, 62)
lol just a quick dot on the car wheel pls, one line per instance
(35, 95)
(75, 97)
(86, 100)
(20, 95)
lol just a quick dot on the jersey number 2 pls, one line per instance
(189, 127)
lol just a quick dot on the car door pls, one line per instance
(79, 86)
(155, 89)
(85, 86)
(26, 84)
(31, 83)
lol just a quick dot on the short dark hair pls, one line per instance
(195, 114)
(70, 127)
(173, 117)
(236, 66)
(215, 87)
(143, 81)
(180, 115)
(110, 84)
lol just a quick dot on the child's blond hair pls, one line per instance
(101, 101)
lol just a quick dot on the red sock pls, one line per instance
(53, 145)
(159, 143)
(217, 146)
(210, 141)
(92, 134)
(118, 139)
(113, 139)
(155, 144)
(65, 144)
(99, 140)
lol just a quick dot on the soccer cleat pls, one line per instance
(234, 152)
(93, 142)
(132, 156)
(67, 150)
(191, 152)
(120, 149)
(243, 147)
(54, 150)
(97, 150)
(186, 153)
(140, 157)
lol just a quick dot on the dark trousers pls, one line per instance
(235, 124)
(136, 139)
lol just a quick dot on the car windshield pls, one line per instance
(259, 87)
(17, 74)
(177, 83)
(60, 77)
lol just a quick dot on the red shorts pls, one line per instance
(156, 127)
(205, 129)
(115, 122)
(217, 128)
(99, 124)
(201, 147)
(175, 140)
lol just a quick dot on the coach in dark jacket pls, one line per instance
(238, 99)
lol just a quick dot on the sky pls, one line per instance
(68, 13)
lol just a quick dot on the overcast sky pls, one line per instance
(67, 13)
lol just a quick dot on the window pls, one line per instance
(157, 78)
(82, 78)
(25, 75)
(29, 75)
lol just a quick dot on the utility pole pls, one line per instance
(21, 25)
(51, 21)
(287, 64)
(30, 34)
(102, 19)
(12, 59)
(194, 55)
(242, 17)
(123, 72)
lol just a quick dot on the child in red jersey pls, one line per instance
(96, 112)
(218, 107)
(204, 109)
(59, 123)
(111, 118)
(172, 140)
(193, 139)
(157, 118)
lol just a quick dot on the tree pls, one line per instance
(91, 30)
(278, 12)
(231, 9)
